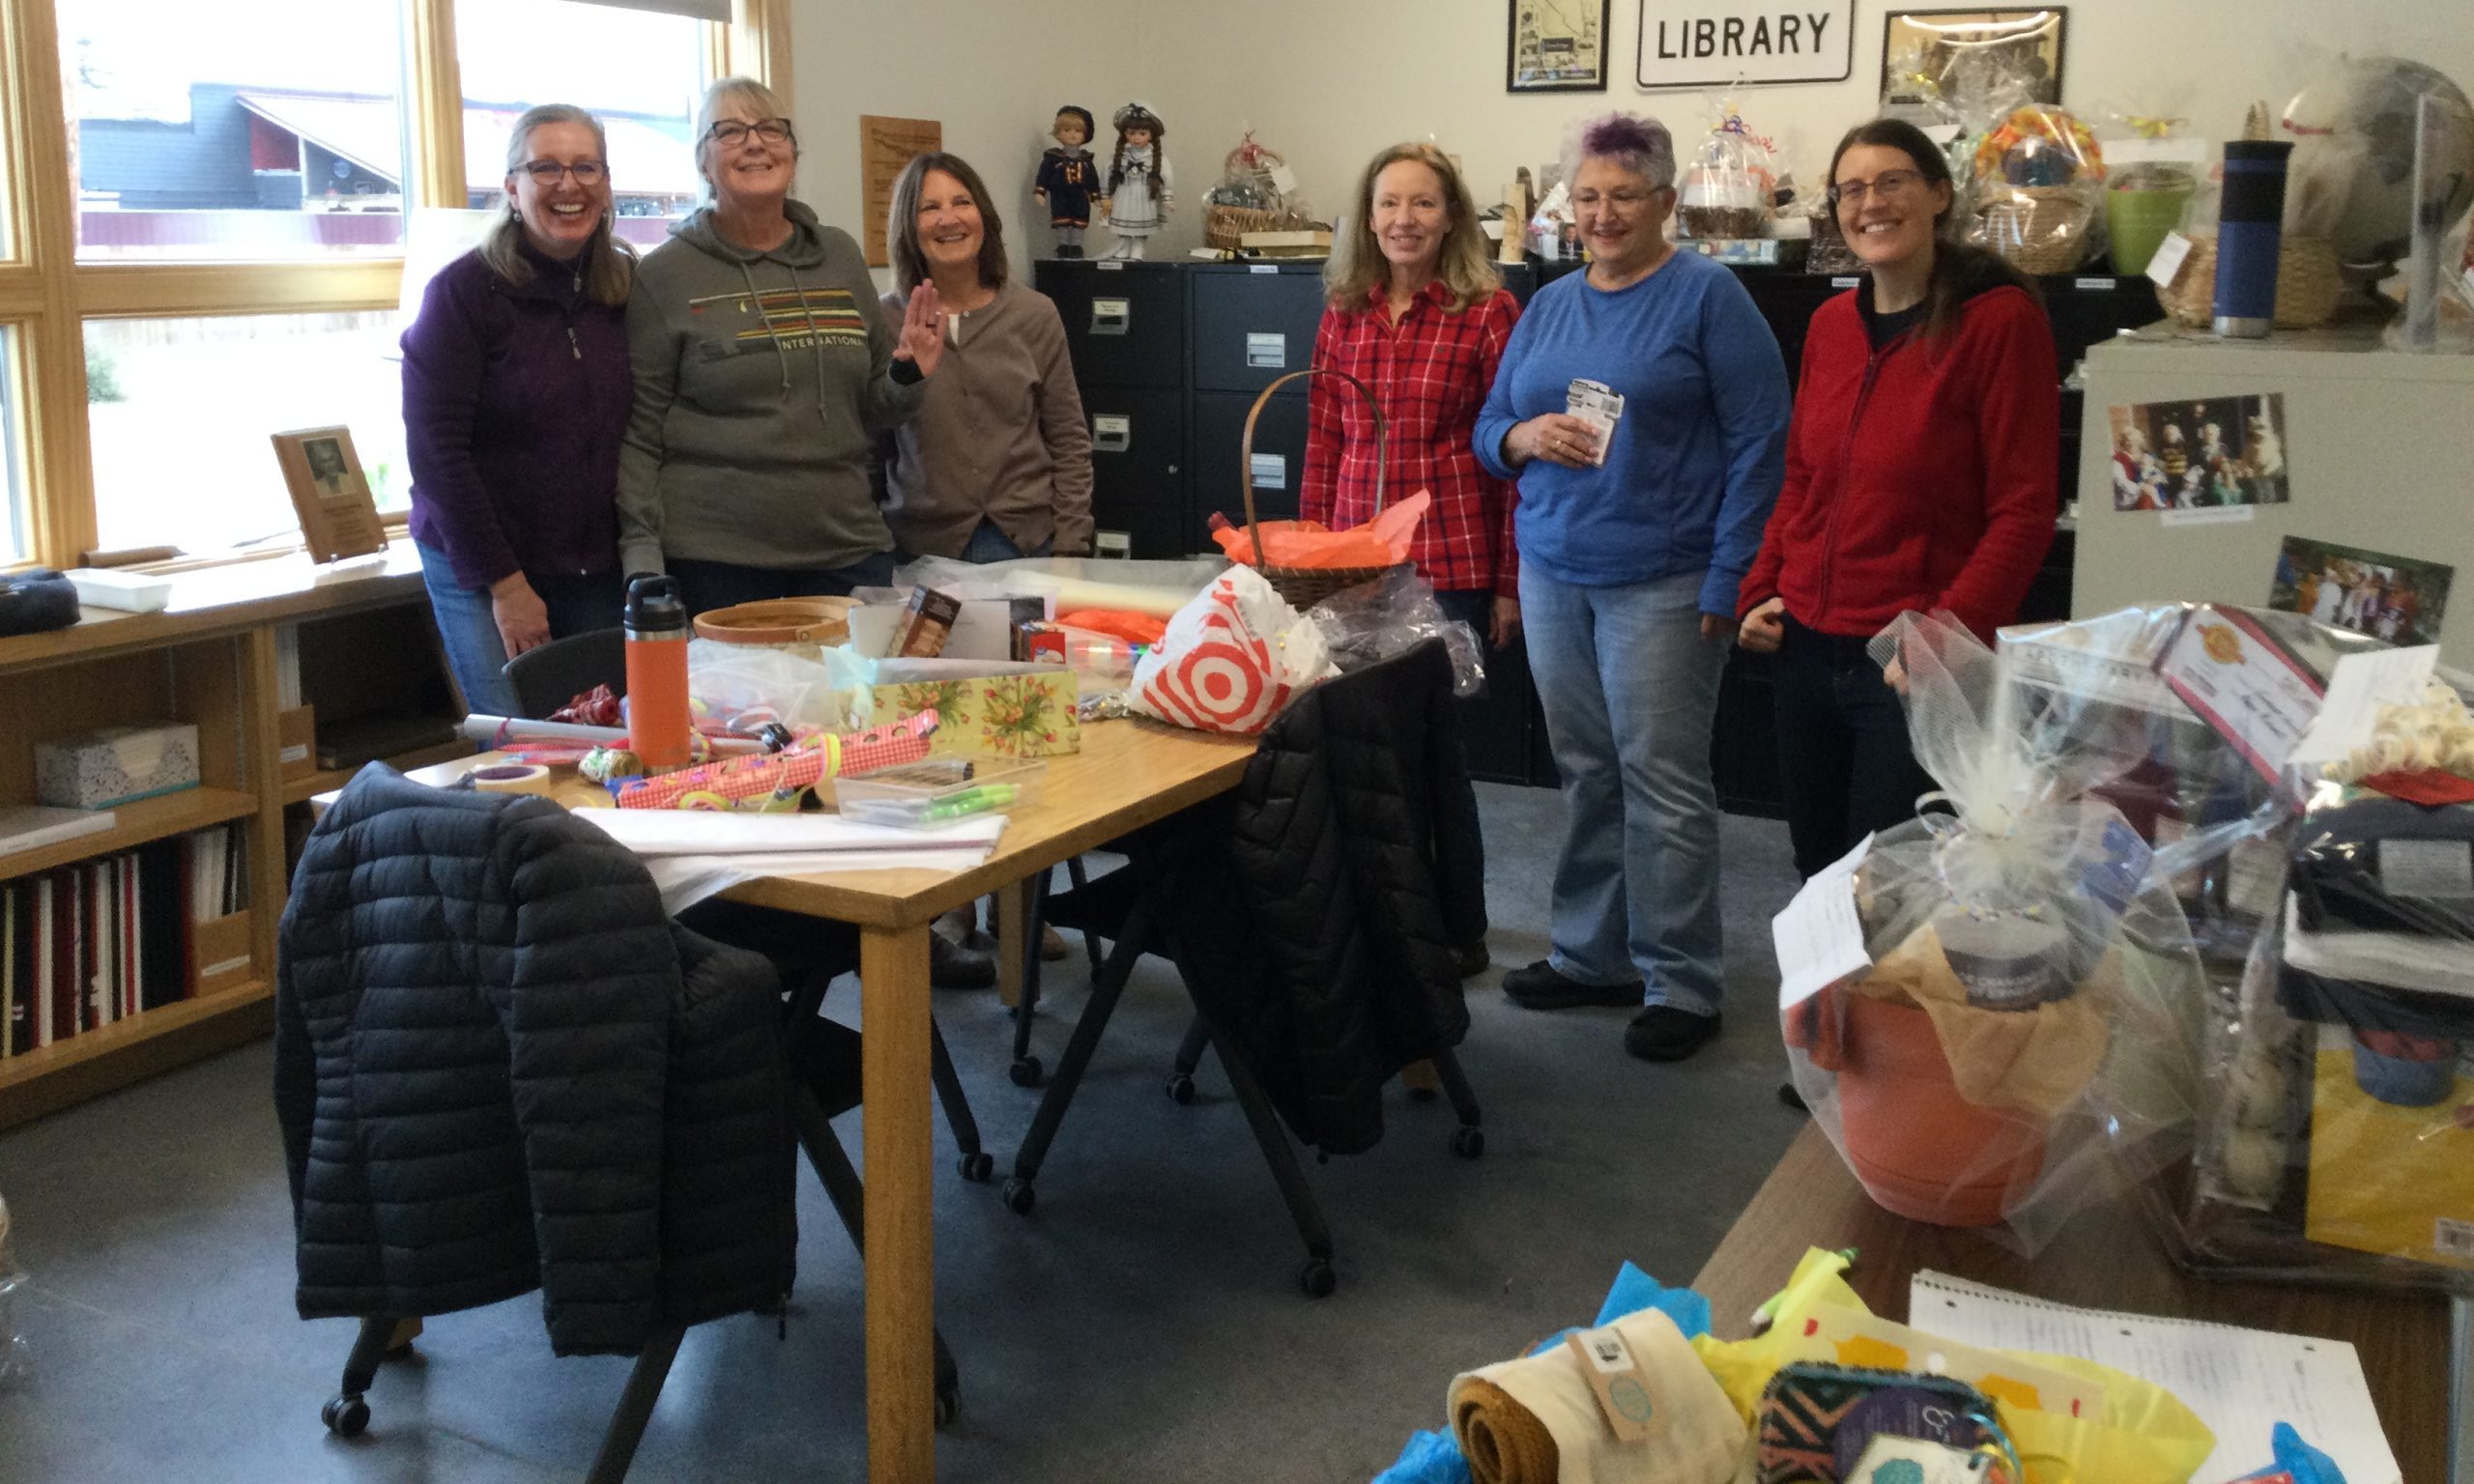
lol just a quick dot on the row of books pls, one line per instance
(93, 943)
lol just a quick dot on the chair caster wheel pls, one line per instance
(949, 1404)
(1026, 1071)
(1422, 1094)
(345, 1417)
(1019, 1196)
(1469, 1141)
(979, 1168)
(1180, 1089)
(1317, 1278)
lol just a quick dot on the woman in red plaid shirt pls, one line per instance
(1418, 313)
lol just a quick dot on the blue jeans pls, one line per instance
(705, 586)
(467, 626)
(988, 544)
(1631, 689)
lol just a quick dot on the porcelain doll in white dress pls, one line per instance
(1139, 184)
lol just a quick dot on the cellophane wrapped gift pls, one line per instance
(2031, 1023)
(2040, 190)
(2338, 1142)
(1728, 182)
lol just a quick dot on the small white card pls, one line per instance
(2167, 265)
(2358, 686)
(2441, 868)
(1819, 937)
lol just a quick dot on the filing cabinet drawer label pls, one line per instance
(1116, 544)
(1111, 432)
(1267, 350)
(1111, 316)
(1271, 471)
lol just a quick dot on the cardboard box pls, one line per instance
(988, 716)
(219, 955)
(116, 765)
(984, 630)
(296, 742)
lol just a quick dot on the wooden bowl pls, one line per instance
(780, 621)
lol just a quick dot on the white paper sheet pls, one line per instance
(703, 832)
(2240, 1382)
(1819, 936)
(685, 880)
(2358, 686)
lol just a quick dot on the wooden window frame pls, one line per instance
(46, 294)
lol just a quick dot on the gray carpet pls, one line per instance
(1143, 1323)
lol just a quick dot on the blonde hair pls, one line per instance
(609, 264)
(1357, 263)
(761, 101)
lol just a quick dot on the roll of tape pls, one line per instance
(512, 777)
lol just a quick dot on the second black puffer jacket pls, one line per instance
(499, 1066)
(1317, 906)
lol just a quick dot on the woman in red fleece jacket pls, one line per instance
(1920, 476)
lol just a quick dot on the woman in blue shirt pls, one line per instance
(1631, 546)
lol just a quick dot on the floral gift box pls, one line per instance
(985, 716)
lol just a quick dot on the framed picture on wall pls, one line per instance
(1960, 54)
(1556, 46)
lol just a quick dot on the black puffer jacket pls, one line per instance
(499, 1066)
(1316, 906)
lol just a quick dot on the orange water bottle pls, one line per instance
(658, 722)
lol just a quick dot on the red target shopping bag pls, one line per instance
(1231, 658)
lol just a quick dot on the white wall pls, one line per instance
(1329, 82)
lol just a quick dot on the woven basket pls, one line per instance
(2307, 284)
(1225, 227)
(2040, 229)
(1306, 586)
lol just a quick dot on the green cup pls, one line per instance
(2138, 219)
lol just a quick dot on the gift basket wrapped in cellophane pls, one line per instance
(2337, 1144)
(2030, 1020)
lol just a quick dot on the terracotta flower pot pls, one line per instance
(1920, 1150)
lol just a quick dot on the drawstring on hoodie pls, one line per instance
(816, 342)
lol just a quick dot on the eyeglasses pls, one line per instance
(546, 172)
(730, 132)
(1887, 183)
(1624, 201)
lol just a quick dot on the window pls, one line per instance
(178, 411)
(641, 74)
(16, 541)
(203, 131)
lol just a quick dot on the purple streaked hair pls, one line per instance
(1637, 142)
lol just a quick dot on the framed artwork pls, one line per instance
(1556, 46)
(329, 493)
(1961, 53)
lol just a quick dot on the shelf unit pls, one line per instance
(210, 659)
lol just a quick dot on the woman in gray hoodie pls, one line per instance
(764, 368)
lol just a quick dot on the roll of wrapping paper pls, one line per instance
(1502, 1441)
(801, 767)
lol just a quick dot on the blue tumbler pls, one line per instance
(2250, 231)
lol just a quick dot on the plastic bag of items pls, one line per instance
(2040, 190)
(2023, 1014)
(1373, 621)
(2340, 1146)
(1231, 660)
(1729, 182)
(16, 1357)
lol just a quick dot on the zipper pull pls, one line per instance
(574, 344)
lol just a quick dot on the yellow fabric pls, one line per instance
(2385, 1179)
(2147, 1436)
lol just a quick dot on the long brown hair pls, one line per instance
(1958, 268)
(902, 222)
(1357, 263)
(609, 264)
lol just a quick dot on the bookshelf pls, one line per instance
(362, 647)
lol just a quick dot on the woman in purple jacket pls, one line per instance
(516, 391)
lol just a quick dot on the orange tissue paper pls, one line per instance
(1381, 542)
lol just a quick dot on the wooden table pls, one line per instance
(1129, 774)
(2107, 1258)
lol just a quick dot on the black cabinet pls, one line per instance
(1125, 322)
(1254, 323)
(1279, 462)
(1137, 466)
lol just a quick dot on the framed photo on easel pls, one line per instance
(339, 517)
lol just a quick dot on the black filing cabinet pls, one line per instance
(1254, 323)
(1126, 330)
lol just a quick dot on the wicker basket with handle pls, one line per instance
(1306, 586)
(2309, 284)
(1225, 227)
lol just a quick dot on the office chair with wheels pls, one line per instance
(548, 677)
